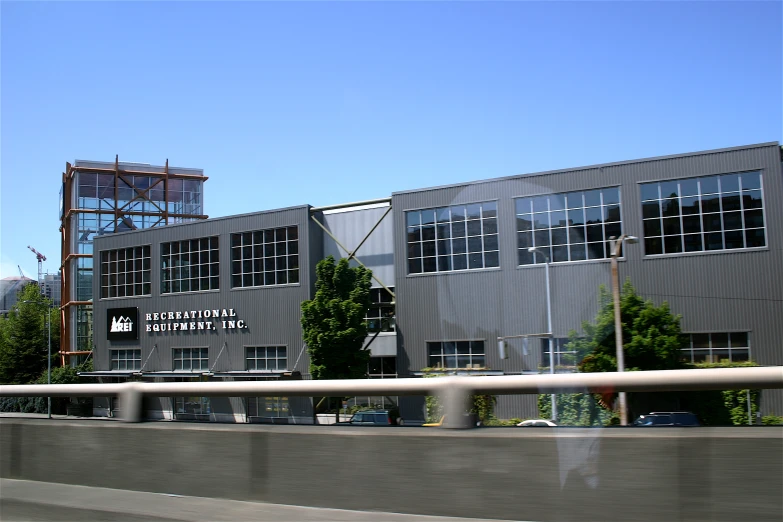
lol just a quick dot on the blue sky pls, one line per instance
(317, 102)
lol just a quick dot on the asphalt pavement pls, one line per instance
(25, 500)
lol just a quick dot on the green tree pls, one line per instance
(24, 337)
(652, 340)
(333, 323)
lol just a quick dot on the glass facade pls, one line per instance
(126, 272)
(266, 358)
(380, 315)
(265, 257)
(456, 354)
(141, 200)
(460, 237)
(83, 328)
(571, 226)
(189, 266)
(702, 214)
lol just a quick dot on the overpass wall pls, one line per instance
(563, 474)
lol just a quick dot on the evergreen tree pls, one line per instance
(24, 337)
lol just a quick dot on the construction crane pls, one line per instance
(41, 258)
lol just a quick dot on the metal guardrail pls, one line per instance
(453, 389)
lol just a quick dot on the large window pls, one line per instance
(191, 359)
(190, 265)
(126, 272)
(265, 257)
(126, 359)
(717, 347)
(266, 358)
(461, 237)
(456, 354)
(707, 213)
(380, 315)
(572, 226)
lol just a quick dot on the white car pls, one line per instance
(537, 423)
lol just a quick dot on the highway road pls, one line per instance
(26, 500)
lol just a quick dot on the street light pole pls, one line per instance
(615, 246)
(535, 250)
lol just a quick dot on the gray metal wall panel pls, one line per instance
(351, 227)
(272, 313)
(721, 291)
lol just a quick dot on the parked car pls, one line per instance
(537, 423)
(372, 418)
(469, 420)
(667, 418)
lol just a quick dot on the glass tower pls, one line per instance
(102, 198)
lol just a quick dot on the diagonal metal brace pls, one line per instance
(351, 255)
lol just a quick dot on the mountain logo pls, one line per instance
(121, 324)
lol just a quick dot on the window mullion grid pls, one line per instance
(742, 222)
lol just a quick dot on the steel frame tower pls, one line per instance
(98, 198)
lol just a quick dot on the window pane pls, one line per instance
(578, 252)
(670, 189)
(750, 180)
(523, 206)
(709, 185)
(729, 183)
(592, 198)
(672, 244)
(755, 238)
(693, 243)
(611, 195)
(720, 340)
(734, 239)
(649, 191)
(691, 224)
(653, 246)
(689, 187)
(739, 339)
(754, 218)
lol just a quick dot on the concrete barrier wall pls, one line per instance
(523, 474)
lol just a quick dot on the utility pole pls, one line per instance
(616, 245)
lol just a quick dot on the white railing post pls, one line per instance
(131, 402)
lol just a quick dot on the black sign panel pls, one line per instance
(122, 324)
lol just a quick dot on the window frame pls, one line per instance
(174, 359)
(266, 359)
(253, 245)
(704, 251)
(692, 351)
(112, 359)
(108, 273)
(537, 260)
(380, 305)
(210, 278)
(456, 354)
(451, 254)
